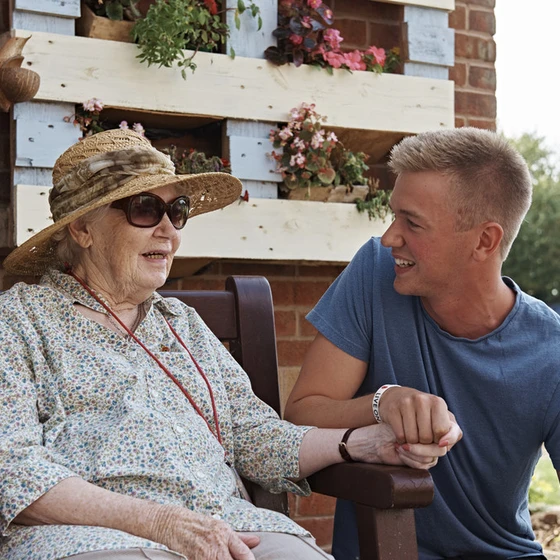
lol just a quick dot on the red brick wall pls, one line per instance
(296, 288)
(474, 72)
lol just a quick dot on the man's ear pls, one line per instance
(489, 241)
(80, 232)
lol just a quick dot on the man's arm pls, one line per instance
(322, 396)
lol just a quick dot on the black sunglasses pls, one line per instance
(146, 210)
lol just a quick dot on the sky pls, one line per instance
(528, 68)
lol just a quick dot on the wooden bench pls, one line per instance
(385, 496)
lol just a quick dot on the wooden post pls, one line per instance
(429, 43)
(246, 143)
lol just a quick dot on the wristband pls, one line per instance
(342, 446)
(377, 400)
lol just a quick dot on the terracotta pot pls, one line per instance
(90, 25)
(342, 193)
(18, 84)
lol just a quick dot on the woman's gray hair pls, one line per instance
(67, 250)
(490, 180)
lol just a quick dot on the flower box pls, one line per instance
(91, 25)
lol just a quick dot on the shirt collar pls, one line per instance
(69, 286)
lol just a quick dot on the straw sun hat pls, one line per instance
(106, 167)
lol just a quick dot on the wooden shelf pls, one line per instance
(74, 69)
(261, 229)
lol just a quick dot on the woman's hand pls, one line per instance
(200, 536)
(378, 444)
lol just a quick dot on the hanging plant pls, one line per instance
(173, 26)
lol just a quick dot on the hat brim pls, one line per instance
(207, 192)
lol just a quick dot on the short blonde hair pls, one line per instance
(67, 250)
(490, 180)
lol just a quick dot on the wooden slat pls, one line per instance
(429, 44)
(74, 69)
(285, 230)
(64, 8)
(39, 143)
(448, 5)
(41, 22)
(249, 159)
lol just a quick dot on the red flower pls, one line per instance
(212, 7)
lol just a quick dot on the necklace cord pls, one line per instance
(216, 434)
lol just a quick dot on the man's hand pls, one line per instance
(201, 536)
(377, 444)
(417, 417)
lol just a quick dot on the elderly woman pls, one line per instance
(124, 420)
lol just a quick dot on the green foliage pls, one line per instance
(376, 203)
(171, 26)
(535, 254)
(194, 161)
(544, 487)
(115, 9)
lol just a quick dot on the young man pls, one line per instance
(426, 308)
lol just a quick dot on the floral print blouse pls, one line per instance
(78, 399)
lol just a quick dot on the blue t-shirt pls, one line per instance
(504, 389)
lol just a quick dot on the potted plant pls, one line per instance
(193, 161)
(88, 118)
(313, 162)
(305, 36)
(173, 26)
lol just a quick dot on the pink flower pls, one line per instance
(379, 55)
(306, 22)
(333, 38)
(296, 39)
(354, 60)
(314, 4)
(331, 137)
(318, 139)
(298, 144)
(123, 125)
(93, 105)
(328, 14)
(285, 133)
(334, 59)
(137, 127)
(297, 160)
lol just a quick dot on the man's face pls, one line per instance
(431, 258)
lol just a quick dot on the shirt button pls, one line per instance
(216, 516)
(180, 429)
(200, 474)
(155, 394)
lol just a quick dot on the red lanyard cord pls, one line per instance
(217, 435)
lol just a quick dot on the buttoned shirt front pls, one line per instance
(80, 400)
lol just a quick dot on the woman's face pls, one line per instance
(128, 262)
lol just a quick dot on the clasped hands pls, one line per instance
(417, 430)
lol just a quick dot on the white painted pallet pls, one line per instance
(74, 69)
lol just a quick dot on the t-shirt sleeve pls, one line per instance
(344, 314)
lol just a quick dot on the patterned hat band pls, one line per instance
(100, 174)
